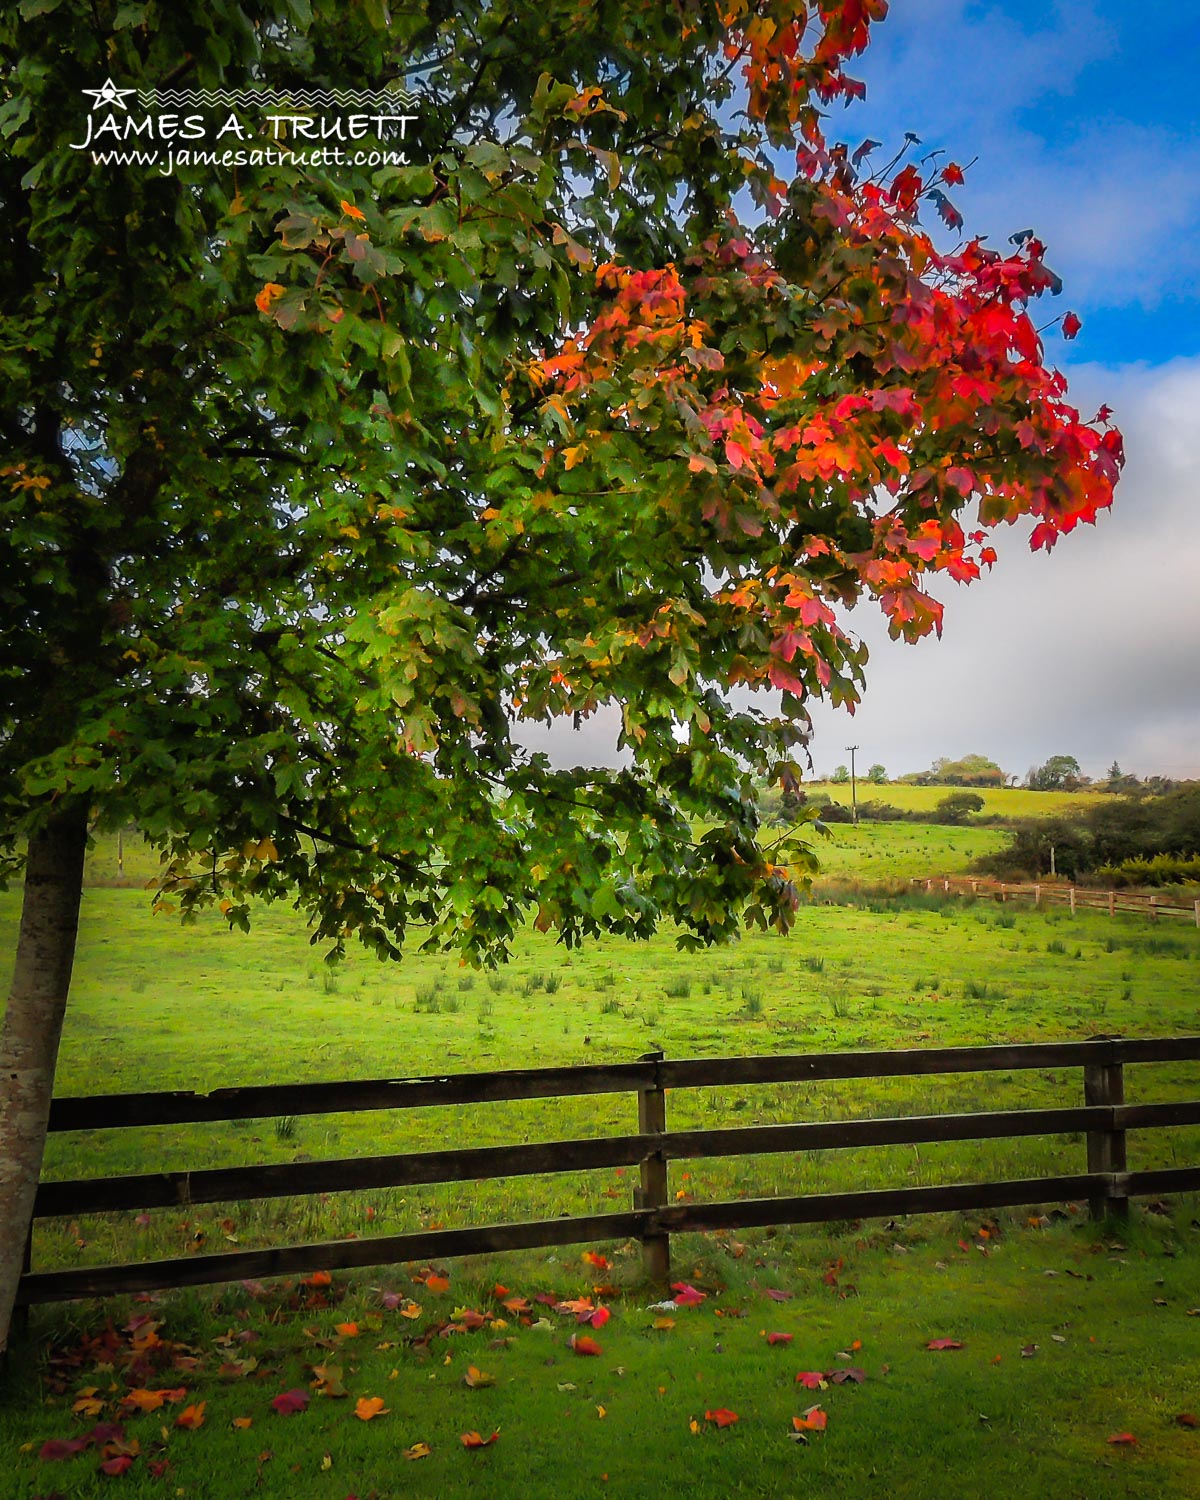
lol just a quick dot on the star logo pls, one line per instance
(109, 94)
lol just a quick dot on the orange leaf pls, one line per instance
(814, 1420)
(351, 212)
(418, 1450)
(722, 1416)
(473, 1440)
(437, 1283)
(243, 1422)
(347, 1330)
(370, 1406)
(1123, 1440)
(592, 1258)
(318, 1278)
(582, 1344)
(477, 1379)
(191, 1416)
(1187, 1419)
(268, 295)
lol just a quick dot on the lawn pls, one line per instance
(1003, 802)
(157, 1005)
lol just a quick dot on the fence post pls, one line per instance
(1197, 906)
(1037, 895)
(1112, 903)
(1154, 908)
(1104, 1083)
(652, 1120)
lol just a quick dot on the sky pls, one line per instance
(1083, 122)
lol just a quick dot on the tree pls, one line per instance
(841, 775)
(957, 807)
(1060, 773)
(316, 479)
(877, 775)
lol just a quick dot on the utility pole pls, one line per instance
(853, 784)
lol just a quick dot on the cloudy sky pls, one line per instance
(1083, 120)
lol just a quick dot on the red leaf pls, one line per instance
(599, 1317)
(1186, 1419)
(291, 1401)
(952, 174)
(722, 1416)
(812, 1379)
(582, 1344)
(944, 1344)
(1070, 327)
(1123, 1440)
(687, 1295)
(780, 1338)
(812, 1421)
(474, 1440)
(63, 1447)
(776, 1295)
(116, 1465)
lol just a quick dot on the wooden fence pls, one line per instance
(1103, 1117)
(1077, 897)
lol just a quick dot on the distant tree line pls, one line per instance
(1116, 840)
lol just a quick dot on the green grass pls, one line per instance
(1111, 1350)
(156, 1005)
(1004, 802)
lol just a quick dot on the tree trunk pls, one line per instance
(31, 1030)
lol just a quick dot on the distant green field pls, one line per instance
(1005, 802)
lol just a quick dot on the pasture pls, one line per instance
(157, 1006)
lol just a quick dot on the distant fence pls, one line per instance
(1077, 897)
(1103, 1117)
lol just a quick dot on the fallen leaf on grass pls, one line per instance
(1186, 1419)
(55, 1448)
(780, 1338)
(1123, 1440)
(944, 1344)
(582, 1344)
(418, 1450)
(663, 1323)
(812, 1380)
(474, 1440)
(437, 1284)
(601, 1412)
(191, 1417)
(477, 1379)
(88, 1403)
(1028, 1351)
(777, 1295)
(290, 1402)
(722, 1416)
(368, 1407)
(851, 1372)
(347, 1330)
(591, 1258)
(411, 1310)
(687, 1295)
(813, 1420)
(147, 1401)
(117, 1465)
(243, 1422)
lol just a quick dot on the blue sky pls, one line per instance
(1083, 120)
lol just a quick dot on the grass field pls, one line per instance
(156, 1005)
(1003, 802)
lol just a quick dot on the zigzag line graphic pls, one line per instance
(211, 98)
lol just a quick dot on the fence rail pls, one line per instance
(1077, 897)
(1103, 1118)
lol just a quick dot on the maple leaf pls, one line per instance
(477, 1379)
(351, 212)
(944, 1344)
(722, 1416)
(1122, 1440)
(474, 1440)
(57, 1448)
(191, 1417)
(952, 174)
(347, 1330)
(813, 1420)
(290, 1402)
(812, 1379)
(241, 1423)
(1070, 326)
(88, 1403)
(780, 1338)
(117, 1465)
(366, 1408)
(267, 295)
(418, 1450)
(687, 1295)
(592, 1258)
(437, 1284)
(582, 1343)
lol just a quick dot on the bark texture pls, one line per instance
(31, 1030)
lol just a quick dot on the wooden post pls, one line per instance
(1072, 893)
(1104, 1083)
(1037, 895)
(1197, 906)
(1112, 903)
(1154, 908)
(652, 1120)
(975, 889)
